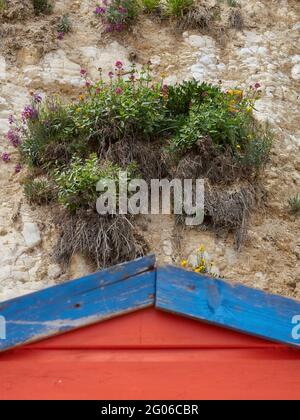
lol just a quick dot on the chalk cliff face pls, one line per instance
(267, 50)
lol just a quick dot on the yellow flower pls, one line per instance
(201, 268)
(236, 92)
(197, 270)
(202, 248)
(81, 97)
(249, 109)
(184, 263)
(238, 147)
(202, 261)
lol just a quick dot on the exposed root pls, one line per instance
(235, 18)
(148, 156)
(105, 240)
(230, 210)
(205, 161)
(197, 17)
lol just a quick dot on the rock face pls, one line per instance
(266, 51)
(31, 234)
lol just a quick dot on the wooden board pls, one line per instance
(151, 354)
(106, 294)
(226, 305)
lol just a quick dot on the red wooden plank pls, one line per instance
(151, 355)
(149, 328)
(150, 374)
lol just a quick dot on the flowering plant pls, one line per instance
(117, 14)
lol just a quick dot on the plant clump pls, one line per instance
(44, 7)
(117, 15)
(129, 122)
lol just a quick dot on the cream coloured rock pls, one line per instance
(296, 72)
(2, 69)
(31, 234)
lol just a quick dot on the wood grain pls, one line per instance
(231, 306)
(109, 293)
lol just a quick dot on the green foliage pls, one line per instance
(77, 182)
(151, 5)
(121, 12)
(42, 7)
(2, 5)
(54, 129)
(183, 95)
(256, 148)
(294, 203)
(64, 25)
(39, 191)
(132, 118)
(232, 3)
(177, 8)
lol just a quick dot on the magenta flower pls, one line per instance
(100, 10)
(109, 28)
(118, 91)
(5, 157)
(29, 113)
(119, 64)
(119, 27)
(11, 119)
(60, 35)
(37, 98)
(88, 84)
(97, 91)
(110, 75)
(18, 168)
(257, 85)
(13, 137)
(83, 72)
(122, 10)
(165, 89)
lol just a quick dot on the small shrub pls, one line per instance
(42, 7)
(2, 5)
(232, 3)
(294, 203)
(64, 26)
(151, 5)
(177, 8)
(39, 191)
(118, 14)
(77, 182)
(235, 19)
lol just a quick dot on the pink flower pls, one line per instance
(100, 10)
(257, 85)
(97, 91)
(110, 75)
(83, 72)
(88, 84)
(18, 168)
(5, 157)
(118, 91)
(60, 36)
(119, 64)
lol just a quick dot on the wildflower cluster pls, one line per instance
(200, 264)
(127, 107)
(63, 27)
(117, 14)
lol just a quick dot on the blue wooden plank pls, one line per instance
(232, 306)
(109, 293)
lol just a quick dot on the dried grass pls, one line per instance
(105, 240)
